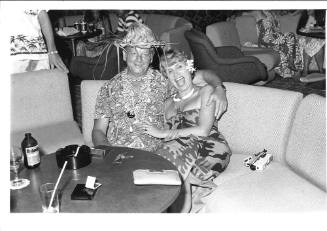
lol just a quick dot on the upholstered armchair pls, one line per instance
(244, 37)
(228, 62)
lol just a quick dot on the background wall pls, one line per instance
(199, 18)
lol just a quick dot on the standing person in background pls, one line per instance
(126, 18)
(286, 44)
(28, 50)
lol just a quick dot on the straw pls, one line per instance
(77, 150)
(56, 185)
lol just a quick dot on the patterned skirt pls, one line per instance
(201, 159)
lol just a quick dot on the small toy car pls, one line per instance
(262, 162)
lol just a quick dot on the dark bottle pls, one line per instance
(30, 150)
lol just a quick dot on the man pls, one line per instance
(137, 94)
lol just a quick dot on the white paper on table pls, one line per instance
(148, 177)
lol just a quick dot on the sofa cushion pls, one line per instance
(306, 150)
(258, 117)
(89, 92)
(160, 23)
(288, 23)
(39, 98)
(51, 137)
(247, 29)
(223, 34)
(275, 189)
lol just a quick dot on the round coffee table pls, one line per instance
(79, 36)
(118, 194)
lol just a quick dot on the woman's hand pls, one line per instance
(151, 130)
(56, 61)
(219, 96)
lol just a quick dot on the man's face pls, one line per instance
(138, 60)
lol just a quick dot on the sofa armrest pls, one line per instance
(176, 37)
(243, 59)
(241, 72)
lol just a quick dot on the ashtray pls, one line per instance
(82, 159)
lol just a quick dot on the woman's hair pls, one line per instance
(170, 58)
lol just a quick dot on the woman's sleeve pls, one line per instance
(102, 105)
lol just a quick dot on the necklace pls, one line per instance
(136, 98)
(188, 95)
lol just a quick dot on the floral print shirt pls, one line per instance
(126, 105)
(26, 40)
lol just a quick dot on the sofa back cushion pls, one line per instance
(89, 92)
(258, 118)
(247, 29)
(39, 98)
(223, 34)
(288, 23)
(306, 150)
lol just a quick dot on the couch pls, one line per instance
(41, 104)
(288, 126)
(166, 27)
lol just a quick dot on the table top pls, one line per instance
(81, 35)
(313, 33)
(118, 194)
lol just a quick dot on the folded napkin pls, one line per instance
(66, 31)
(148, 177)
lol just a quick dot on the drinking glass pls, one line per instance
(16, 163)
(46, 191)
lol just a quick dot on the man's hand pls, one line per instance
(219, 96)
(56, 61)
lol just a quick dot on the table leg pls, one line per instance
(73, 45)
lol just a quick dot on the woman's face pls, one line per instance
(138, 60)
(179, 76)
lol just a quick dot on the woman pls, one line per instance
(269, 35)
(193, 142)
(312, 47)
(93, 47)
(32, 44)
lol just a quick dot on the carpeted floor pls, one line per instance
(318, 88)
(291, 84)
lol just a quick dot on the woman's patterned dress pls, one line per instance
(269, 35)
(188, 154)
